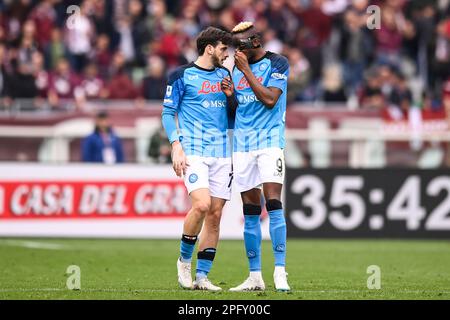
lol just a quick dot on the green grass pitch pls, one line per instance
(146, 269)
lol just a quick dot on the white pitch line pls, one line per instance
(181, 290)
(33, 244)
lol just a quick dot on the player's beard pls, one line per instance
(216, 61)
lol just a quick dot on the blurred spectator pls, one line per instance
(226, 19)
(44, 16)
(55, 49)
(158, 19)
(446, 98)
(21, 82)
(103, 145)
(42, 77)
(171, 44)
(62, 84)
(3, 72)
(91, 85)
(120, 85)
(247, 10)
(299, 74)
(79, 36)
(15, 15)
(355, 48)
(389, 37)
(332, 86)
(101, 55)
(117, 64)
(333, 7)
(126, 45)
(103, 19)
(441, 68)
(371, 95)
(387, 77)
(314, 31)
(2, 27)
(159, 149)
(189, 20)
(27, 44)
(140, 31)
(424, 18)
(400, 99)
(278, 15)
(446, 103)
(154, 84)
(271, 42)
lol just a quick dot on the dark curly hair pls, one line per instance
(212, 36)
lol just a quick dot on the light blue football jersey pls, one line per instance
(195, 94)
(256, 126)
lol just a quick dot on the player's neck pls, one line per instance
(204, 62)
(261, 52)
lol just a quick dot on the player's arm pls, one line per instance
(172, 100)
(228, 88)
(267, 95)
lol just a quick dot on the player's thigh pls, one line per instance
(197, 174)
(217, 205)
(201, 201)
(245, 171)
(220, 178)
(271, 165)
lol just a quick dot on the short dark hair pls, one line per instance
(212, 36)
(102, 114)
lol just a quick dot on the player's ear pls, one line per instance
(210, 49)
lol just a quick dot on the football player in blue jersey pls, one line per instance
(260, 85)
(201, 150)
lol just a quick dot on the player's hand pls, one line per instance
(241, 61)
(227, 86)
(179, 159)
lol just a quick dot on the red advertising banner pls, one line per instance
(92, 199)
(96, 200)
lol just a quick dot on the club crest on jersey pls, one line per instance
(243, 83)
(263, 66)
(207, 87)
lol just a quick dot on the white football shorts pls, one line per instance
(253, 168)
(212, 173)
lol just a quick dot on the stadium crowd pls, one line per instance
(123, 49)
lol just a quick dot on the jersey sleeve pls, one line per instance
(279, 72)
(172, 100)
(174, 90)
